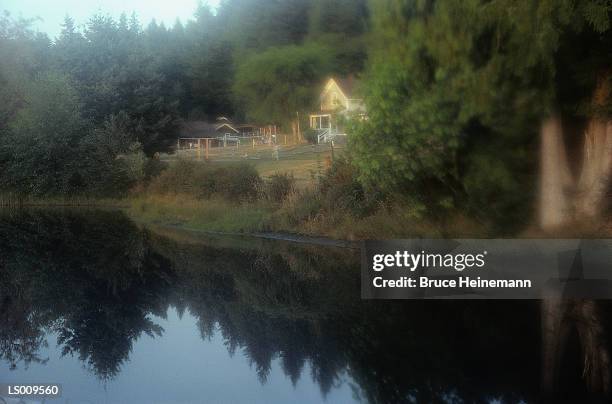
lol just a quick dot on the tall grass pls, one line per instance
(236, 183)
(214, 214)
(340, 207)
(235, 199)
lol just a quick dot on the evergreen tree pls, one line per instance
(341, 26)
(456, 91)
(274, 85)
(41, 152)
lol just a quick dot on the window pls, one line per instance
(335, 100)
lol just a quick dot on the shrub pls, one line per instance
(153, 168)
(176, 179)
(278, 187)
(132, 163)
(298, 208)
(200, 180)
(239, 182)
(341, 190)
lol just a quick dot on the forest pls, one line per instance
(497, 111)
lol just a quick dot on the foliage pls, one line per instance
(22, 52)
(51, 150)
(237, 183)
(115, 74)
(340, 25)
(117, 162)
(455, 92)
(78, 116)
(199, 180)
(341, 190)
(274, 85)
(341, 207)
(255, 25)
(278, 187)
(153, 168)
(42, 151)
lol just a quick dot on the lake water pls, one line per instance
(117, 313)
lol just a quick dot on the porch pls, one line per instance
(325, 127)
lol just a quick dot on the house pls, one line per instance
(193, 134)
(196, 134)
(338, 101)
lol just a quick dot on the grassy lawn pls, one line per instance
(305, 162)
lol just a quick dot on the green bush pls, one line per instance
(278, 187)
(176, 179)
(341, 190)
(240, 182)
(297, 209)
(153, 168)
(236, 183)
(132, 163)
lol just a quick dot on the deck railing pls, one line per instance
(322, 135)
(327, 135)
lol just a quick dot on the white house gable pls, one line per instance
(333, 98)
(337, 103)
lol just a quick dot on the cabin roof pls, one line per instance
(227, 125)
(202, 129)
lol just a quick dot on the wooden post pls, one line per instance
(285, 139)
(207, 143)
(299, 135)
(253, 143)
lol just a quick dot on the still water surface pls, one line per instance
(118, 313)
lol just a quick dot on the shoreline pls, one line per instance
(266, 235)
(265, 221)
(174, 221)
(278, 236)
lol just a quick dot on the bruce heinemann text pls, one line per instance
(461, 282)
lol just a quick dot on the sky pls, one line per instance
(52, 12)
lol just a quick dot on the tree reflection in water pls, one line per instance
(584, 320)
(96, 280)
